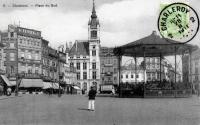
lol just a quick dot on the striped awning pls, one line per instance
(47, 85)
(55, 85)
(28, 83)
(76, 87)
(13, 83)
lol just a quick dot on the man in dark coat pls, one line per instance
(91, 94)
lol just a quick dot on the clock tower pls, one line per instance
(94, 48)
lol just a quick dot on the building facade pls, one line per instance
(109, 66)
(70, 72)
(23, 52)
(2, 57)
(62, 66)
(84, 56)
(130, 76)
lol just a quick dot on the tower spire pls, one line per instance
(93, 11)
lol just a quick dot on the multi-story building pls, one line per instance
(52, 63)
(153, 69)
(2, 57)
(109, 66)
(129, 75)
(84, 55)
(23, 52)
(70, 72)
(62, 66)
(45, 59)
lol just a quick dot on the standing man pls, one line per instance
(91, 94)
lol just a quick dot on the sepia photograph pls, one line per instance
(99, 62)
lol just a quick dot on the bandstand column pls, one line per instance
(135, 69)
(160, 68)
(175, 65)
(175, 72)
(190, 69)
(144, 72)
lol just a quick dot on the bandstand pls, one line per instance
(156, 46)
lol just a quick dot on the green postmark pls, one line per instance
(179, 22)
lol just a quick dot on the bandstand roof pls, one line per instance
(153, 46)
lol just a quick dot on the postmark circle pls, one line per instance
(179, 22)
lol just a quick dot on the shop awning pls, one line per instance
(13, 83)
(76, 87)
(5, 79)
(28, 83)
(47, 85)
(55, 85)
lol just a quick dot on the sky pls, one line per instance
(121, 21)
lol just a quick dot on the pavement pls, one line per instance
(4, 97)
(72, 110)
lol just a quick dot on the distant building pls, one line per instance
(130, 76)
(153, 69)
(109, 66)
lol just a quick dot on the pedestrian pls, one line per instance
(113, 90)
(9, 91)
(91, 102)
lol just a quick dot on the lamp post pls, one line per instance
(17, 73)
(17, 82)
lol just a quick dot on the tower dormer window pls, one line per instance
(93, 34)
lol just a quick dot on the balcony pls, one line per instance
(108, 65)
(108, 73)
(22, 59)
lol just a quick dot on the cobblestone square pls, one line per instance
(72, 110)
